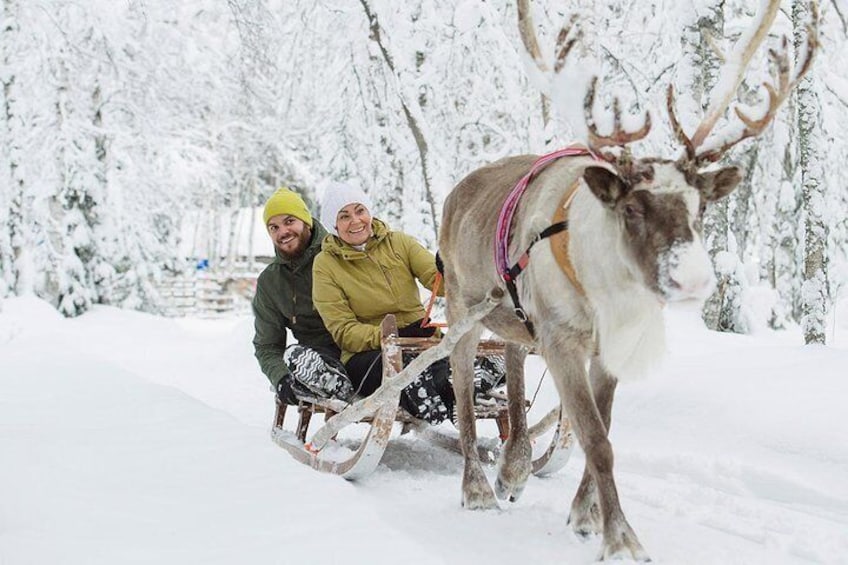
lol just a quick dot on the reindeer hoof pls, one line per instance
(513, 469)
(635, 553)
(584, 535)
(620, 542)
(506, 490)
(586, 524)
(476, 492)
(479, 502)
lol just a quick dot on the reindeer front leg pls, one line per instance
(514, 465)
(585, 517)
(568, 369)
(476, 491)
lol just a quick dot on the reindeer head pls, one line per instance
(658, 204)
(658, 208)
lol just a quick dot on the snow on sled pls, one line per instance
(380, 411)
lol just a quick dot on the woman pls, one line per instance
(362, 273)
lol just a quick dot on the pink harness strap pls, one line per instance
(511, 203)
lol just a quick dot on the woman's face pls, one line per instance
(353, 222)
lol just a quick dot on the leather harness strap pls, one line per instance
(559, 241)
(513, 272)
(558, 234)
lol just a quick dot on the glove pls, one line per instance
(284, 391)
(415, 330)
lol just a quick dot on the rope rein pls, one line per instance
(428, 322)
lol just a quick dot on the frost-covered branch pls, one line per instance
(412, 118)
(841, 15)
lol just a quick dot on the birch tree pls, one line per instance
(703, 38)
(11, 152)
(814, 292)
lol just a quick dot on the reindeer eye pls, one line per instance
(631, 212)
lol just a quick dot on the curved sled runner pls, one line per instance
(370, 451)
(559, 449)
(358, 465)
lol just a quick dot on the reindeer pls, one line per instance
(589, 299)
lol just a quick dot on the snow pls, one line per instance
(837, 84)
(129, 438)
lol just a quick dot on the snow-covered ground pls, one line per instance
(128, 438)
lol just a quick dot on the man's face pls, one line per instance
(289, 234)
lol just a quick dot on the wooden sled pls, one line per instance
(358, 464)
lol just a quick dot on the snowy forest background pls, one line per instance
(120, 118)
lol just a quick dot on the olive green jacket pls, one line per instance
(283, 301)
(353, 290)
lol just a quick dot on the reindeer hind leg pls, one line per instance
(514, 465)
(476, 491)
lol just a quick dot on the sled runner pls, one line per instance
(381, 411)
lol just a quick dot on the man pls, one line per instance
(283, 302)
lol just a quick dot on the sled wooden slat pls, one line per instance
(419, 344)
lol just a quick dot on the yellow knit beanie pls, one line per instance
(286, 201)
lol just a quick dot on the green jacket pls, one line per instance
(353, 290)
(283, 301)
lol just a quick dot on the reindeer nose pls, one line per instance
(694, 287)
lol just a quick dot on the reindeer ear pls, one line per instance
(607, 186)
(718, 184)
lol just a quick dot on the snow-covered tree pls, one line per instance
(815, 291)
(8, 33)
(12, 154)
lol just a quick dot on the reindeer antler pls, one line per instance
(528, 35)
(565, 41)
(777, 94)
(619, 137)
(568, 36)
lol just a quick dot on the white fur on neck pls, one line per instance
(630, 329)
(627, 319)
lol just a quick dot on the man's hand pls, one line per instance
(284, 391)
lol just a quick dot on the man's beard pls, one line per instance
(302, 243)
